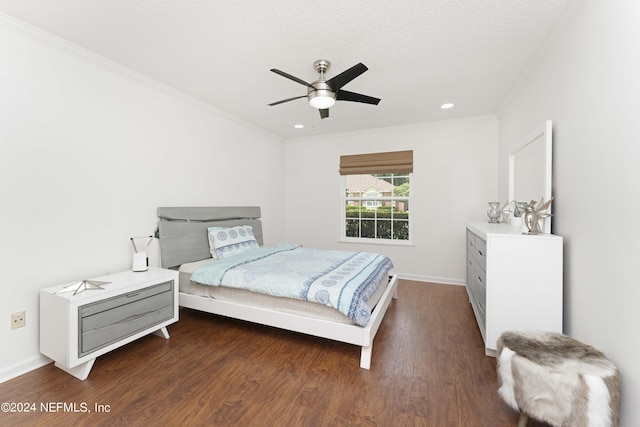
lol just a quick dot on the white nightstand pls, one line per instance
(75, 329)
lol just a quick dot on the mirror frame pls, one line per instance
(544, 131)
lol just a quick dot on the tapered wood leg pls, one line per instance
(162, 332)
(524, 418)
(81, 371)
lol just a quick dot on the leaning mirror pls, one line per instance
(530, 169)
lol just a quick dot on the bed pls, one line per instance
(184, 245)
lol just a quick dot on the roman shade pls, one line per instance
(389, 162)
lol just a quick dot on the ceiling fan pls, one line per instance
(323, 94)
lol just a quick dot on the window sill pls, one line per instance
(377, 242)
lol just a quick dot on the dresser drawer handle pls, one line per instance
(480, 253)
(133, 294)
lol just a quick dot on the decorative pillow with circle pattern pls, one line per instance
(228, 241)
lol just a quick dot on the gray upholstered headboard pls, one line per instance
(183, 230)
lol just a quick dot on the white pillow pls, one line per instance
(228, 241)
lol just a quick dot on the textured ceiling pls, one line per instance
(420, 53)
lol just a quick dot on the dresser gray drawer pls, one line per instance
(478, 248)
(481, 288)
(481, 252)
(476, 280)
(111, 320)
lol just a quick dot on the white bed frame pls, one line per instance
(183, 238)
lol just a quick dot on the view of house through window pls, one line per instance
(377, 206)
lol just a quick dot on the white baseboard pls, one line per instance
(28, 365)
(431, 279)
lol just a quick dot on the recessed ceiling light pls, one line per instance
(446, 106)
(298, 126)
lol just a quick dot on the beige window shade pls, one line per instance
(391, 162)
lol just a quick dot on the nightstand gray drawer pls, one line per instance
(108, 321)
(108, 304)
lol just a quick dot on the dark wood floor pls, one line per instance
(428, 369)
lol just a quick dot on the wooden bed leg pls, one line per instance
(365, 357)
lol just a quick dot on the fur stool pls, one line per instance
(558, 380)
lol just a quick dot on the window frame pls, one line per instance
(367, 240)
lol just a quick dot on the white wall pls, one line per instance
(88, 151)
(587, 80)
(455, 175)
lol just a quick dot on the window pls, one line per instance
(376, 201)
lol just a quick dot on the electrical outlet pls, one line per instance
(18, 320)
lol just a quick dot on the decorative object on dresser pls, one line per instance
(83, 285)
(518, 211)
(514, 280)
(557, 379)
(534, 216)
(505, 211)
(494, 212)
(76, 328)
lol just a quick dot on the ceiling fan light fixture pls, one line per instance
(320, 95)
(322, 101)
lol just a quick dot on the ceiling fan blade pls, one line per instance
(344, 95)
(324, 113)
(287, 100)
(346, 76)
(290, 77)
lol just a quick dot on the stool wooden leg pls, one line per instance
(524, 418)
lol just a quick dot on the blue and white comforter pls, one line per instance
(342, 280)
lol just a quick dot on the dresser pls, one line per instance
(107, 312)
(514, 281)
